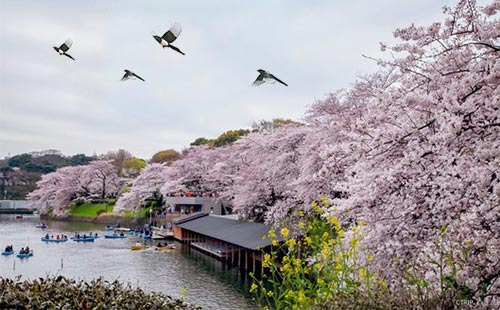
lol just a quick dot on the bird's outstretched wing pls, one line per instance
(259, 80)
(68, 55)
(175, 49)
(66, 45)
(275, 78)
(137, 76)
(172, 34)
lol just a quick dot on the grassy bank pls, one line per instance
(90, 209)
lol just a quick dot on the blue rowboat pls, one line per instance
(41, 226)
(108, 228)
(7, 253)
(25, 255)
(87, 239)
(114, 237)
(146, 237)
(54, 240)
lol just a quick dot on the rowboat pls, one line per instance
(25, 255)
(19, 216)
(42, 226)
(165, 248)
(7, 253)
(122, 229)
(108, 228)
(86, 239)
(54, 240)
(114, 236)
(139, 247)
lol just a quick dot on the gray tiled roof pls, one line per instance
(188, 217)
(244, 234)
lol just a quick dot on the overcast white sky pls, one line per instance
(48, 101)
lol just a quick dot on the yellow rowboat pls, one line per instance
(138, 247)
(165, 248)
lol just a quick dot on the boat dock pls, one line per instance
(236, 243)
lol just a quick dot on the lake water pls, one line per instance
(205, 279)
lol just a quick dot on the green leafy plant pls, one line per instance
(317, 267)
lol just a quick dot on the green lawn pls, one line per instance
(90, 209)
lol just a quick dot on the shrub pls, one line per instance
(64, 293)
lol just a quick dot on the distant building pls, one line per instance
(187, 205)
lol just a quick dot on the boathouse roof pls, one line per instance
(244, 234)
(188, 217)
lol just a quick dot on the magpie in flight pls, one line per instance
(131, 75)
(169, 37)
(265, 76)
(64, 48)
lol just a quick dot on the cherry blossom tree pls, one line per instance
(423, 134)
(56, 190)
(151, 179)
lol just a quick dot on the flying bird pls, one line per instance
(265, 76)
(64, 48)
(131, 75)
(169, 37)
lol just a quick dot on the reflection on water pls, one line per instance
(207, 282)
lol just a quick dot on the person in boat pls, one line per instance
(96, 235)
(47, 236)
(160, 245)
(22, 251)
(27, 250)
(52, 237)
(118, 224)
(7, 249)
(58, 237)
(121, 234)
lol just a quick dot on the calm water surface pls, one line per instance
(207, 283)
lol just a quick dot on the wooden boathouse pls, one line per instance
(234, 242)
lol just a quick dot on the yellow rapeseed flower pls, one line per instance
(297, 262)
(340, 234)
(326, 235)
(285, 232)
(301, 213)
(362, 223)
(272, 234)
(354, 243)
(362, 273)
(253, 288)
(274, 242)
(325, 202)
(301, 297)
(267, 260)
(309, 240)
(285, 268)
(290, 242)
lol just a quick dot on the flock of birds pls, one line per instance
(166, 40)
